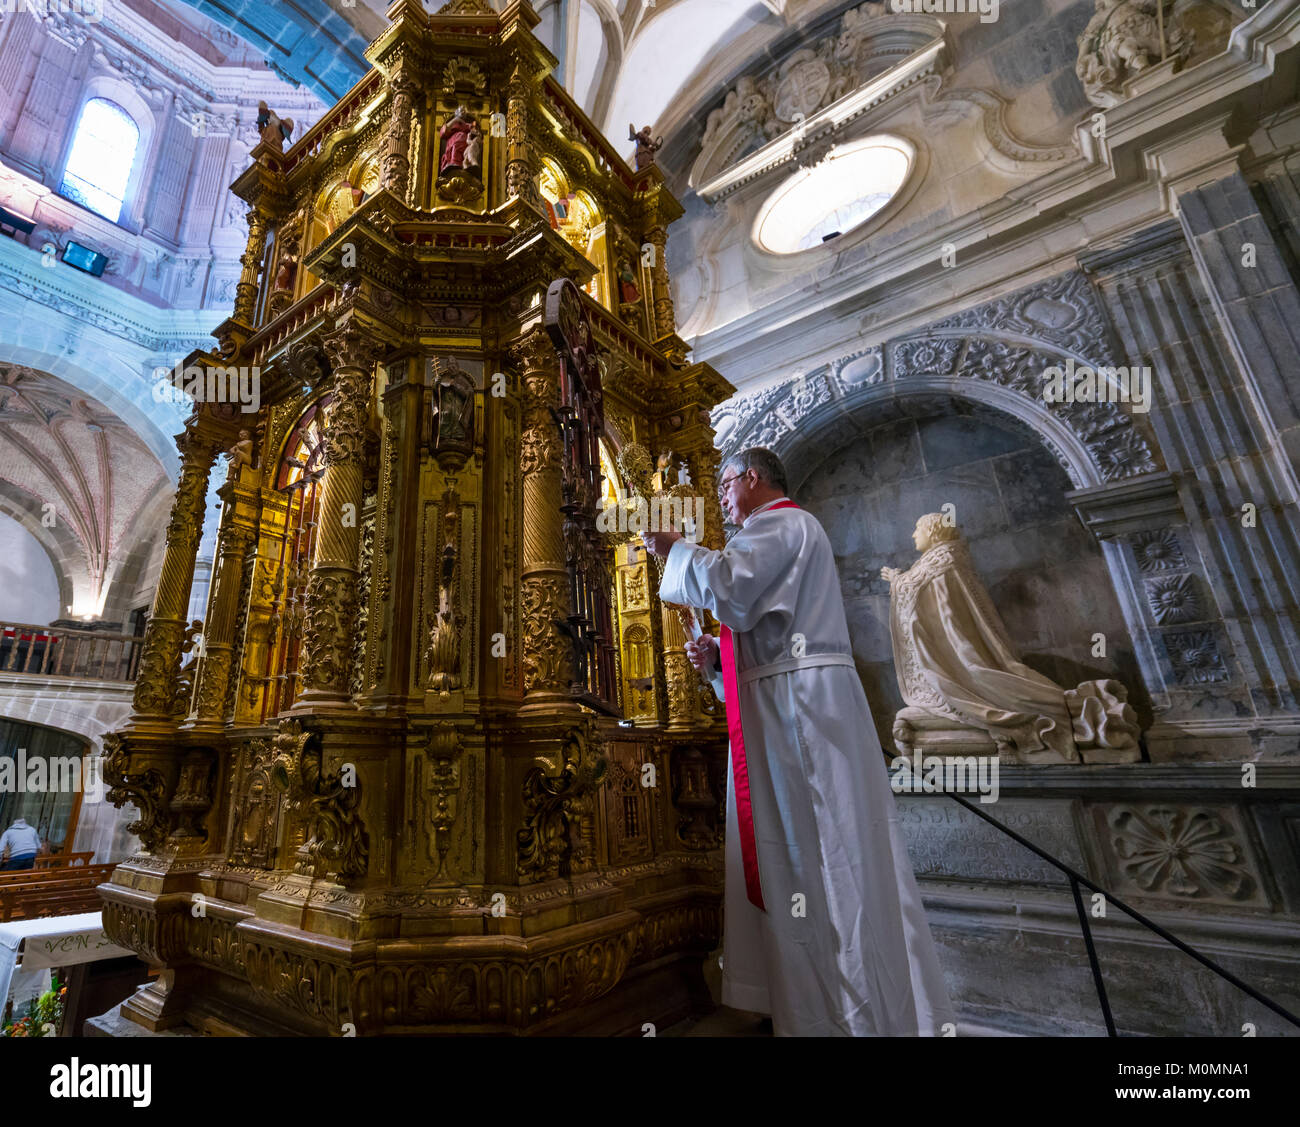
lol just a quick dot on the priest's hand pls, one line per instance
(889, 574)
(660, 543)
(703, 652)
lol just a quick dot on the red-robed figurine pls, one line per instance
(455, 139)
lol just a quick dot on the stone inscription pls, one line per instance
(945, 840)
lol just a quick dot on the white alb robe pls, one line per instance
(861, 962)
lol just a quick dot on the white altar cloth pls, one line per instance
(55, 942)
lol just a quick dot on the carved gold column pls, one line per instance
(331, 598)
(395, 171)
(393, 610)
(544, 583)
(665, 320)
(520, 173)
(155, 685)
(702, 460)
(238, 528)
(251, 262)
(679, 675)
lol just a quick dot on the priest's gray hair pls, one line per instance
(763, 462)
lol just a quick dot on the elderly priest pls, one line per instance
(823, 926)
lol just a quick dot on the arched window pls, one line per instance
(99, 163)
(301, 468)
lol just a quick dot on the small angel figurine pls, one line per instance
(646, 146)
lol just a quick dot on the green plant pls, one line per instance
(44, 1015)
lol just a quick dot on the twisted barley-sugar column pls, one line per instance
(223, 610)
(665, 318)
(155, 684)
(331, 598)
(544, 578)
(250, 262)
(395, 171)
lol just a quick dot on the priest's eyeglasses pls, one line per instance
(722, 485)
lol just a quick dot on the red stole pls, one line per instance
(739, 767)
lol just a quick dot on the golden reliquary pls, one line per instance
(436, 761)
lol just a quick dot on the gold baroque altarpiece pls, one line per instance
(436, 762)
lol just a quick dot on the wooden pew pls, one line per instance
(38, 905)
(51, 892)
(63, 860)
(82, 873)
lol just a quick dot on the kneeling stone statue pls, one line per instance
(965, 688)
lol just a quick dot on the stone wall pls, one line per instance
(1190, 848)
(29, 589)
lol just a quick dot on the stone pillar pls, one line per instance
(219, 639)
(331, 598)
(1220, 591)
(395, 172)
(155, 685)
(1245, 273)
(251, 263)
(544, 579)
(665, 318)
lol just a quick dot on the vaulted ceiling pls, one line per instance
(79, 479)
(624, 61)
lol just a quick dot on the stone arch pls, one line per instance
(996, 355)
(88, 714)
(60, 544)
(145, 538)
(911, 451)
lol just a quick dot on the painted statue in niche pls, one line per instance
(460, 176)
(453, 414)
(958, 671)
(629, 291)
(455, 141)
(474, 150)
(286, 266)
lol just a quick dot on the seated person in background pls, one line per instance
(19, 845)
